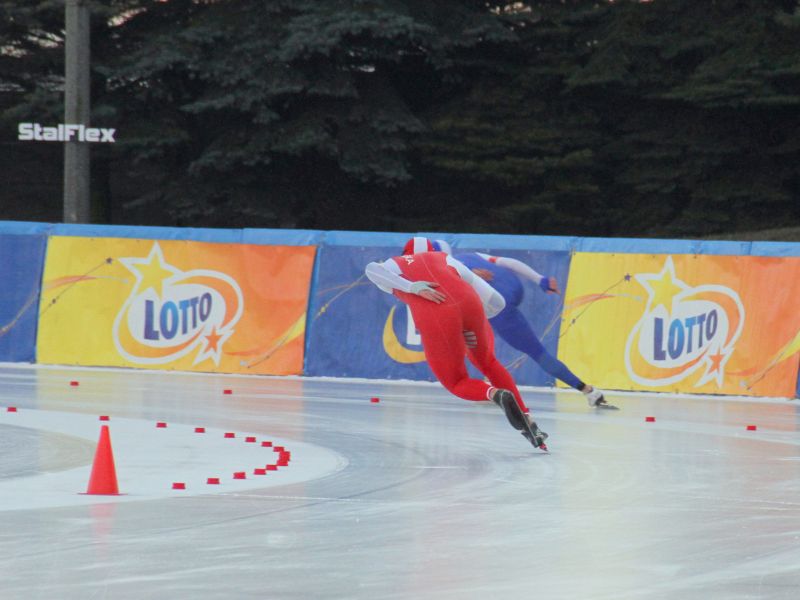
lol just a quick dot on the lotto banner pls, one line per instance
(357, 330)
(182, 305)
(21, 273)
(684, 323)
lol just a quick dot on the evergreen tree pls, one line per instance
(654, 118)
(664, 118)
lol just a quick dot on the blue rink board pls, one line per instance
(28, 239)
(459, 241)
(21, 274)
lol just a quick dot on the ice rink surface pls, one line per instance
(419, 495)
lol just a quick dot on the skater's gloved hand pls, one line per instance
(425, 289)
(471, 339)
(549, 285)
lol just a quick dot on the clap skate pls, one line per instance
(519, 420)
(596, 399)
(535, 435)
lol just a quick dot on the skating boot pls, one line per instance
(519, 420)
(596, 399)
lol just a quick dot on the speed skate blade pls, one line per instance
(537, 441)
(607, 406)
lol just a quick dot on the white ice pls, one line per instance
(420, 495)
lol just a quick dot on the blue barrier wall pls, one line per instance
(302, 237)
(346, 332)
(21, 274)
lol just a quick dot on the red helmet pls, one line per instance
(423, 244)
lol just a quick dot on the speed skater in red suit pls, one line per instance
(450, 305)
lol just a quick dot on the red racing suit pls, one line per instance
(442, 328)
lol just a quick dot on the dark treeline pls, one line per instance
(676, 118)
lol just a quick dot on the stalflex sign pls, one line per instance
(65, 132)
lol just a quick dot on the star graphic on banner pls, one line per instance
(213, 339)
(662, 287)
(151, 272)
(716, 361)
(715, 367)
(212, 348)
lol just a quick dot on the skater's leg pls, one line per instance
(482, 356)
(516, 331)
(445, 348)
(452, 374)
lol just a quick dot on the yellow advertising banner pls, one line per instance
(684, 323)
(178, 305)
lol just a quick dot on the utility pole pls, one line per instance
(77, 105)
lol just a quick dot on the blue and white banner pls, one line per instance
(351, 322)
(356, 330)
(21, 273)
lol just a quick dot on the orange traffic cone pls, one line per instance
(103, 480)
